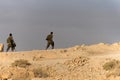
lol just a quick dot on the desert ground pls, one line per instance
(82, 62)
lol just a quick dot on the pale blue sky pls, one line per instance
(74, 22)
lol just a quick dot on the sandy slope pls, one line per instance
(75, 63)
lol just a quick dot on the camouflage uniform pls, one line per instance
(10, 43)
(50, 41)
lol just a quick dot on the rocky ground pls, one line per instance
(83, 62)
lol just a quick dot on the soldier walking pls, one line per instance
(10, 43)
(50, 41)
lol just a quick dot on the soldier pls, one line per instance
(50, 41)
(10, 43)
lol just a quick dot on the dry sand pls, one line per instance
(84, 62)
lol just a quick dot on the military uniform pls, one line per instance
(50, 41)
(10, 43)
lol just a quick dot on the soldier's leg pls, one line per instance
(52, 45)
(8, 48)
(48, 44)
(12, 48)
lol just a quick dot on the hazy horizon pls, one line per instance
(74, 22)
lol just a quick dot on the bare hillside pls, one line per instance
(82, 62)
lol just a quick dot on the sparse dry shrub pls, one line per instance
(111, 65)
(43, 72)
(40, 73)
(21, 63)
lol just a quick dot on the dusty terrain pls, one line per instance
(83, 62)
